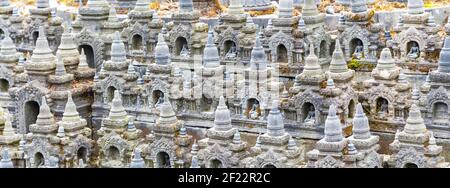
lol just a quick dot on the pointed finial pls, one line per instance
(237, 137)
(131, 127)
(351, 148)
(291, 144)
(6, 160)
(61, 132)
(183, 130)
(137, 161)
(60, 68)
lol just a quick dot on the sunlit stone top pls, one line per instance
(235, 7)
(310, 8)
(415, 6)
(359, 6)
(42, 4)
(286, 9)
(186, 6)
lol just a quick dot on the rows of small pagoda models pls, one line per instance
(125, 100)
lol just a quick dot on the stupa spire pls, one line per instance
(118, 53)
(444, 58)
(338, 63)
(162, 53)
(117, 111)
(45, 117)
(211, 53)
(333, 127)
(222, 118)
(275, 125)
(415, 123)
(361, 129)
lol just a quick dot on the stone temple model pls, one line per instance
(258, 84)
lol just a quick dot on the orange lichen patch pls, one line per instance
(215, 10)
(435, 3)
(155, 5)
(442, 32)
(71, 3)
(166, 8)
(383, 5)
(262, 12)
(297, 12)
(219, 6)
(348, 131)
(325, 3)
(24, 2)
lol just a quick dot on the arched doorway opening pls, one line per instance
(136, 42)
(229, 49)
(323, 49)
(181, 46)
(382, 107)
(332, 47)
(31, 111)
(89, 51)
(413, 49)
(215, 163)
(163, 160)
(2, 34)
(35, 36)
(351, 109)
(410, 165)
(110, 94)
(356, 48)
(282, 56)
(4, 86)
(253, 108)
(39, 160)
(206, 104)
(440, 111)
(308, 113)
(82, 153)
(158, 97)
(113, 153)
(269, 166)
